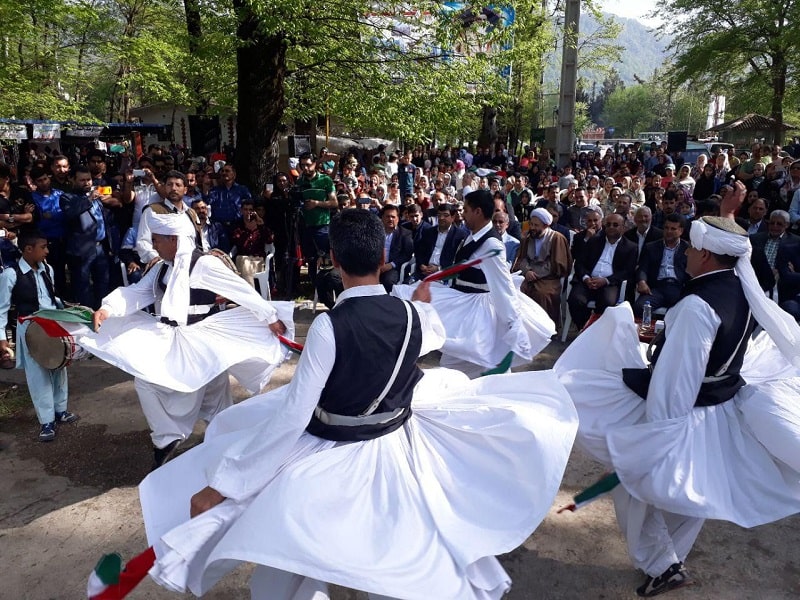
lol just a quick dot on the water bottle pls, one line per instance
(647, 317)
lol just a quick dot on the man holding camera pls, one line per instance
(319, 198)
(251, 237)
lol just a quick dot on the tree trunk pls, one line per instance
(488, 136)
(261, 62)
(779, 69)
(194, 27)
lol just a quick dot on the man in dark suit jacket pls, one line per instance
(644, 232)
(594, 227)
(662, 268)
(428, 261)
(415, 223)
(757, 212)
(88, 240)
(606, 262)
(766, 246)
(399, 246)
(788, 265)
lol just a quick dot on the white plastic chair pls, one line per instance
(407, 268)
(262, 277)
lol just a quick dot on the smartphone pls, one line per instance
(139, 173)
(269, 187)
(2, 233)
(104, 190)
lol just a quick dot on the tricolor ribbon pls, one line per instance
(451, 272)
(291, 344)
(600, 488)
(49, 319)
(109, 581)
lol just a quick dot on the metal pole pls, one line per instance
(565, 134)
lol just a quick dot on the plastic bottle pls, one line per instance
(647, 317)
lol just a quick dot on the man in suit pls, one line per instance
(87, 224)
(500, 222)
(765, 248)
(662, 268)
(788, 266)
(606, 263)
(756, 212)
(399, 246)
(414, 223)
(644, 232)
(437, 248)
(594, 227)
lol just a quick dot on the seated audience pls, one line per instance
(437, 248)
(662, 268)
(606, 262)
(544, 259)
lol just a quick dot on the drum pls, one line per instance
(52, 352)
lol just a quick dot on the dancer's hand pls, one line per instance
(423, 292)
(278, 328)
(205, 499)
(97, 319)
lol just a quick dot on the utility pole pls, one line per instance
(565, 134)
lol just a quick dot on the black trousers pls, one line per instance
(580, 296)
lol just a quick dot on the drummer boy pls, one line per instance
(29, 287)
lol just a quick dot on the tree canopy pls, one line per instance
(732, 49)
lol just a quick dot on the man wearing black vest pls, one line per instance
(489, 317)
(189, 286)
(349, 460)
(716, 437)
(29, 287)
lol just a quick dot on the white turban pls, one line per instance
(543, 215)
(175, 304)
(723, 236)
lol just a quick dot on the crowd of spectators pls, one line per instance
(601, 219)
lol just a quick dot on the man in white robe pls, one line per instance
(360, 476)
(183, 276)
(706, 443)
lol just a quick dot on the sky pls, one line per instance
(633, 9)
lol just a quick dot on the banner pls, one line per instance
(84, 131)
(46, 131)
(13, 131)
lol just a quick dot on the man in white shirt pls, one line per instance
(185, 287)
(175, 190)
(606, 262)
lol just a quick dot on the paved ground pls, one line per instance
(64, 504)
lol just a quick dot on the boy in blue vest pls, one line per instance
(29, 286)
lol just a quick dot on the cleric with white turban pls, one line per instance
(543, 215)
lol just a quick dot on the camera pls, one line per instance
(296, 197)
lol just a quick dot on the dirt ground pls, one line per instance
(64, 504)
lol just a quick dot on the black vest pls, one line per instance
(365, 358)
(723, 292)
(197, 297)
(472, 280)
(25, 294)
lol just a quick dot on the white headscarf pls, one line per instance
(706, 234)
(543, 215)
(175, 304)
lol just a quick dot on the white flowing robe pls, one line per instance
(737, 461)
(416, 513)
(482, 328)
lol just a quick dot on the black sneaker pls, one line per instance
(162, 455)
(673, 578)
(48, 432)
(66, 417)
